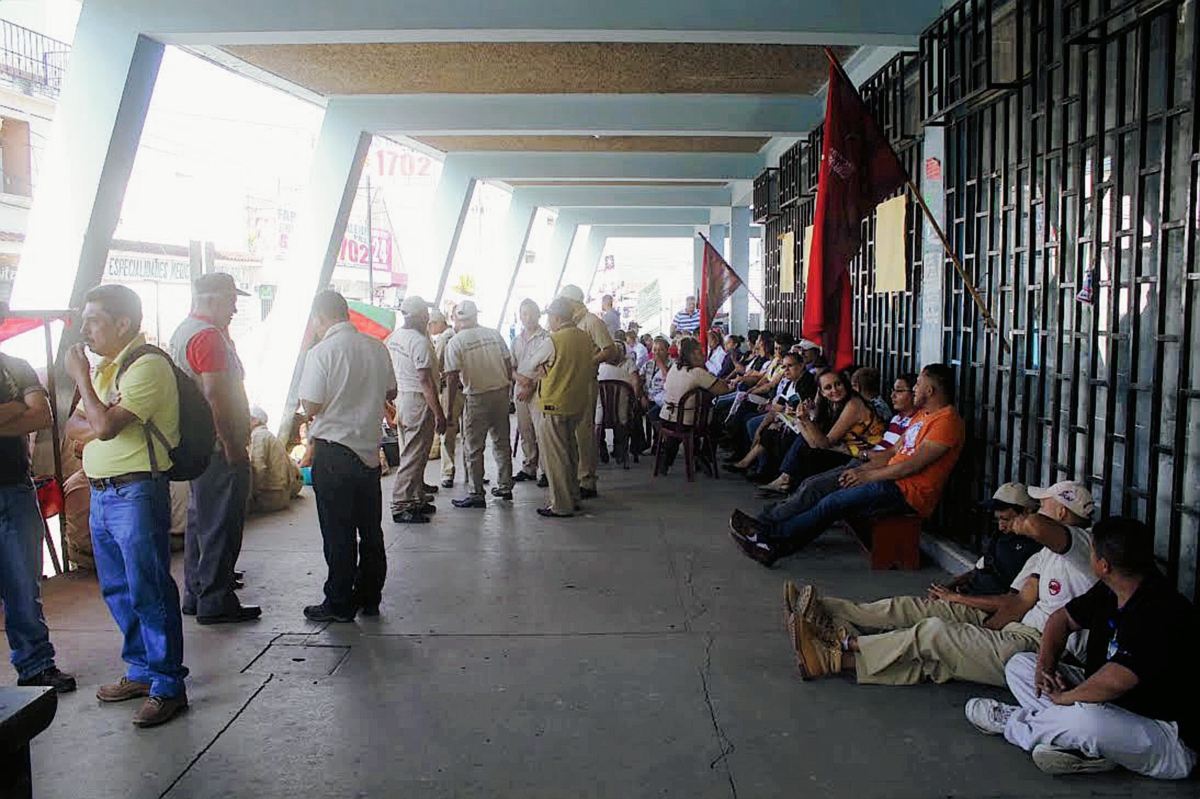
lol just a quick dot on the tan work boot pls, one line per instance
(815, 658)
(123, 691)
(159, 710)
(803, 603)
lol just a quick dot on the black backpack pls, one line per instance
(198, 432)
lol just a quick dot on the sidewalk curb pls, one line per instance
(950, 556)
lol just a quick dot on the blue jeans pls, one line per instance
(131, 543)
(795, 453)
(21, 581)
(873, 499)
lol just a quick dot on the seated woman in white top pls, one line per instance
(717, 355)
(688, 373)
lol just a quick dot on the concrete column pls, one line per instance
(86, 166)
(933, 257)
(739, 259)
(337, 165)
(450, 205)
(565, 230)
(588, 261)
(697, 265)
(518, 224)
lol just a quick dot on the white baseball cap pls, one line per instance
(465, 310)
(1072, 495)
(1015, 494)
(573, 293)
(413, 304)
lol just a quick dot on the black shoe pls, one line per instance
(734, 468)
(322, 613)
(469, 502)
(428, 489)
(745, 525)
(238, 585)
(237, 575)
(550, 514)
(188, 610)
(448, 482)
(428, 508)
(759, 551)
(587, 493)
(522, 476)
(603, 455)
(410, 516)
(370, 610)
(51, 678)
(239, 614)
(501, 493)
(543, 482)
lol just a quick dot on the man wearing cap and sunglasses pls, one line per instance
(953, 636)
(588, 322)
(202, 348)
(479, 364)
(419, 413)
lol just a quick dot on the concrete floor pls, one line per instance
(629, 652)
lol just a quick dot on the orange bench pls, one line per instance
(890, 541)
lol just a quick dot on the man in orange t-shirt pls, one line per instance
(907, 479)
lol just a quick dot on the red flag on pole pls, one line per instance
(859, 169)
(718, 281)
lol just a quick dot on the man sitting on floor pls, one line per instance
(952, 636)
(1004, 553)
(1135, 704)
(909, 480)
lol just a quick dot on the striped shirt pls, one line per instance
(895, 431)
(685, 322)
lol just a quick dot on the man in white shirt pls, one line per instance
(479, 364)
(445, 446)
(954, 636)
(419, 413)
(347, 378)
(532, 334)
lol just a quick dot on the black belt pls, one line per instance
(101, 483)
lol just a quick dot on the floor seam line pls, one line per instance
(216, 737)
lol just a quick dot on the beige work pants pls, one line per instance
(449, 443)
(926, 639)
(557, 437)
(415, 429)
(585, 439)
(485, 414)
(527, 425)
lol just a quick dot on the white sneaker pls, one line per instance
(989, 716)
(1052, 760)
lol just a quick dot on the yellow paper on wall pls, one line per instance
(787, 263)
(808, 240)
(891, 263)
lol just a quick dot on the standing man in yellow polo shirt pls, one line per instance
(130, 515)
(606, 352)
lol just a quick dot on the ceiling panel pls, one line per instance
(544, 67)
(596, 144)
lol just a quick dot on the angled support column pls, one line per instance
(697, 266)
(589, 259)
(519, 222)
(739, 259)
(450, 205)
(336, 168)
(565, 229)
(87, 164)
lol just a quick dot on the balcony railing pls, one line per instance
(31, 59)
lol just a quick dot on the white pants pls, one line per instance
(1139, 744)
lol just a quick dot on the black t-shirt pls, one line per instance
(1155, 637)
(1004, 555)
(17, 379)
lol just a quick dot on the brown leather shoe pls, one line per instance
(159, 710)
(815, 658)
(123, 691)
(805, 603)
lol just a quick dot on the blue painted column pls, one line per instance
(739, 259)
(697, 265)
(519, 222)
(451, 202)
(566, 228)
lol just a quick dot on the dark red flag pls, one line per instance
(859, 169)
(718, 281)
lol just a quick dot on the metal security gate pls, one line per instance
(1072, 201)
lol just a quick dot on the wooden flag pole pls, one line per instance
(916, 192)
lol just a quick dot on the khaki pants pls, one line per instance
(929, 640)
(527, 424)
(585, 439)
(488, 413)
(557, 436)
(414, 426)
(270, 501)
(449, 442)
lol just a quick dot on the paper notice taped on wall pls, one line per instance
(891, 264)
(787, 263)
(808, 240)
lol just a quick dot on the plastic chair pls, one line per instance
(50, 502)
(616, 395)
(695, 437)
